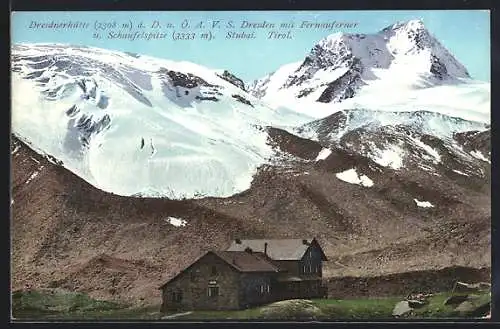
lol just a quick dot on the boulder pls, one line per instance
(475, 306)
(481, 311)
(413, 303)
(465, 307)
(293, 309)
(463, 287)
(402, 308)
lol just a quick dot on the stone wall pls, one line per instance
(403, 284)
(194, 283)
(250, 291)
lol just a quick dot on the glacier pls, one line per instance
(149, 137)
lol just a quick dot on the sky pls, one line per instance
(466, 33)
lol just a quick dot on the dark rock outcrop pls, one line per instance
(231, 78)
(242, 99)
(345, 86)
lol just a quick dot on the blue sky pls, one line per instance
(465, 33)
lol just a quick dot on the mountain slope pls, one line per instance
(67, 233)
(404, 56)
(402, 140)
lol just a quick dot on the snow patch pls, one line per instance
(351, 176)
(478, 155)
(391, 157)
(177, 222)
(33, 175)
(423, 204)
(16, 149)
(434, 155)
(323, 154)
(424, 167)
(460, 172)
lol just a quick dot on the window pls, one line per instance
(264, 288)
(177, 296)
(213, 291)
(304, 269)
(195, 275)
(214, 270)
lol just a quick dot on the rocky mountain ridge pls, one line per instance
(341, 64)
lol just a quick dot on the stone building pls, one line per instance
(248, 273)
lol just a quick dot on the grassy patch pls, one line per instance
(37, 305)
(349, 309)
(252, 313)
(437, 308)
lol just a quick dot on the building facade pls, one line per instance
(248, 273)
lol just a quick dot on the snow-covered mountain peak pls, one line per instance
(332, 41)
(413, 39)
(341, 64)
(413, 24)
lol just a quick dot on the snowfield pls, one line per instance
(151, 138)
(469, 100)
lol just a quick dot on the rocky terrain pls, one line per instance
(69, 234)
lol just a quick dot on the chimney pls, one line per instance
(304, 241)
(265, 248)
(238, 241)
(248, 249)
